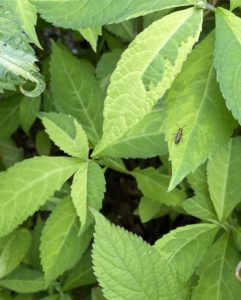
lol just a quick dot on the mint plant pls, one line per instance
(144, 91)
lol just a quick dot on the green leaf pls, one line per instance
(17, 59)
(91, 35)
(81, 274)
(66, 133)
(196, 104)
(146, 139)
(217, 274)
(9, 152)
(26, 15)
(224, 178)
(61, 247)
(106, 66)
(27, 113)
(87, 190)
(42, 143)
(96, 294)
(234, 4)
(181, 246)
(14, 251)
(24, 280)
(75, 91)
(154, 185)
(227, 59)
(9, 116)
(91, 13)
(128, 268)
(126, 30)
(149, 209)
(28, 184)
(146, 70)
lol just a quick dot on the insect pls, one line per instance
(179, 134)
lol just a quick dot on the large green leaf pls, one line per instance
(24, 280)
(227, 59)
(146, 70)
(87, 190)
(14, 251)
(153, 184)
(66, 133)
(146, 139)
(17, 60)
(91, 13)
(61, 247)
(128, 268)
(26, 14)
(28, 184)
(9, 116)
(196, 104)
(181, 245)
(75, 91)
(217, 274)
(224, 178)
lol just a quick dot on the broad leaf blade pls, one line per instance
(75, 91)
(224, 178)
(128, 268)
(196, 104)
(9, 152)
(227, 59)
(27, 112)
(87, 191)
(146, 139)
(14, 251)
(181, 245)
(61, 247)
(28, 184)
(90, 13)
(217, 275)
(66, 133)
(146, 70)
(24, 280)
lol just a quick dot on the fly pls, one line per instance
(179, 134)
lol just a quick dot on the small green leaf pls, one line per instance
(87, 190)
(43, 143)
(27, 113)
(96, 294)
(186, 247)
(227, 62)
(234, 4)
(149, 209)
(217, 274)
(14, 251)
(61, 247)
(66, 133)
(75, 91)
(17, 59)
(224, 178)
(195, 103)
(91, 35)
(24, 280)
(9, 116)
(81, 274)
(154, 185)
(35, 180)
(128, 268)
(92, 13)
(26, 15)
(9, 152)
(126, 30)
(145, 71)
